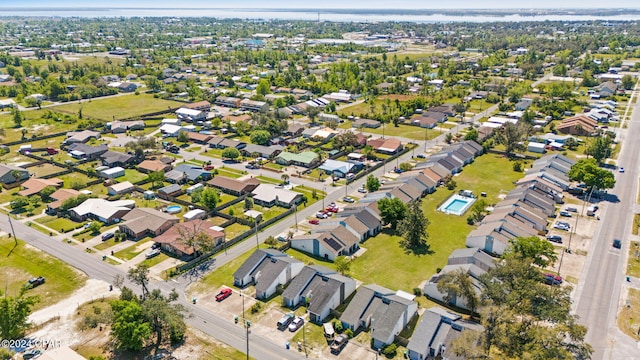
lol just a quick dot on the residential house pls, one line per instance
(226, 101)
(102, 210)
(384, 311)
(306, 159)
(120, 127)
(269, 195)
(494, 237)
(557, 162)
(419, 181)
(581, 125)
(185, 172)
(367, 214)
(435, 332)
(116, 158)
(218, 142)
(294, 130)
(267, 152)
(530, 197)
(10, 174)
(351, 223)
(200, 105)
(120, 188)
(171, 130)
(191, 115)
(548, 188)
(34, 185)
(267, 269)
(233, 186)
(141, 222)
(523, 104)
(327, 243)
(199, 138)
(171, 240)
(473, 261)
(6, 103)
(424, 121)
(385, 146)
(148, 166)
(365, 123)
(127, 87)
(84, 151)
(59, 196)
(252, 105)
(112, 173)
(341, 168)
(172, 190)
(81, 136)
(522, 214)
(322, 289)
(536, 147)
(607, 89)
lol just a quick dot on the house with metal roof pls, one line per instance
(267, 269)
(81, 136)
(170, 190)
(385, 312)
(101, 210)
(435, 332)
(306, 158)
(84, 151)
(120, 188)
(322, 289)
(473, 261)
(340, 168)
(185, 172)
(269, 195)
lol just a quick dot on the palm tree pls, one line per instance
(285, 178)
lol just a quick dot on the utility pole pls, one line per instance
(255, 222)
(15, 239)
(295, 214)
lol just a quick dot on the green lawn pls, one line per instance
(24, 262)
(489, 173)
(222, 275)
(133, 175)
(59, 224)
(155, 260)
(132, 251)
(106, 244)
(234, 230)
(118, 107)
(402, 130)
(634, 261)
(229, 172)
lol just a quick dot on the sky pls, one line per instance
(326, 4)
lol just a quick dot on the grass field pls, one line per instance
(406, 131)
(133, 250)
(627, 319)
(59, 224)
(24, 262)
(118, 107)
(222, 275)
(133, 176)
(634, 261)
(489, 173)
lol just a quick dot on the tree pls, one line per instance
(183, 136)
(413, 226)
(46, 193)
(345, 140)
(372, 184)
(129, 327)
(94, 228)
(628, 82)
(209, 198)
(392, 210)
(541, 252)
(513, 137)
(230, 153)
(263, 87)
(588, 172)
(599, 148)
(164, 316)
(477, 209)
(312, 113)
(248, 203)
(458, 283)
(471, 135)
(285, 178)
(448, 138)
(343, 264)
(192, 234)
(260, 137)
(139, 275)
(17, 118)
(14, 314)
(19, 202)
(157, 178)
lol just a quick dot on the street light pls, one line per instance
(324, 194)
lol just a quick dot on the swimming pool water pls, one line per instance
(456, 205)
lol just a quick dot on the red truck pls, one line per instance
(51, 151)
(224, 293)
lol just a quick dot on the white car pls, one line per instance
(362, 190)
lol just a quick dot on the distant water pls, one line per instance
(323, 15)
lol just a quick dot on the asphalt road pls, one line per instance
(598, 294)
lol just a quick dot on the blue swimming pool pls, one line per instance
(456, 205)
(174, 209)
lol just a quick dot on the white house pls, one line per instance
(112, 173)
(120, 188)
(536, 147)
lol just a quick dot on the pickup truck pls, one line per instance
(339, 343)
(224, 293)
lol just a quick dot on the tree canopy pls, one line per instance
(14, 314)
(413, 226)
(588, 172)
(392, 210)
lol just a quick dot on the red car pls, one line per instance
(314, 222)
(224, 293)
(208, 167)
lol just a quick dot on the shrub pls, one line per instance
(470, 220)
(256, 308)
(390, 350)
(337, 325)
(349, 333)
(417, 291)
(517, 166)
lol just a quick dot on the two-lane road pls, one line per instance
(598, 294)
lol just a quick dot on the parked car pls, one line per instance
(565, 213)
(555, 238)
(562, 226)
(35, 282)
(348, 199)
(223, 294)
(339, 343)
(571, 209)
(552, 279)
(208, 167)
(421, 156)
(296, 324)
(152, 253)
(284, 321)
(107, 236)
(156, 245)
(314, 222)
(31, 354)
(617, 243)
(361, 189)
(321, 215)
(621, 169)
